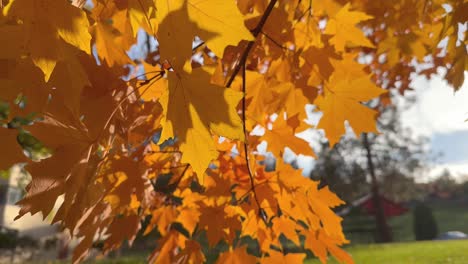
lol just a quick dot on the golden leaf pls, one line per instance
(217, 22)
(188, 108)
(342, 26)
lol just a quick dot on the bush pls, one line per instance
(8, 238)
(424, 223)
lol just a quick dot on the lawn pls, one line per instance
(430, 252)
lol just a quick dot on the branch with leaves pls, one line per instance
(171, 135)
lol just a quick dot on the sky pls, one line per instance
(442, 115)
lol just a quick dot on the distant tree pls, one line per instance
(345, 177)
(446, 183)
(398, 159)
(424, 223)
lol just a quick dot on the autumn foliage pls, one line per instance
(169, 139)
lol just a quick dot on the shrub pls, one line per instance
(424, 223)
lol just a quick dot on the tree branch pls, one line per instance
(255, 32)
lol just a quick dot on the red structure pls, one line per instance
(390, 208)
(367, 205)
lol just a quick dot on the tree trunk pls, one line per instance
(383, 231)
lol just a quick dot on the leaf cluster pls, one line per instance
(172, 136)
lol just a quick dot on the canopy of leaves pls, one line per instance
(168, 135)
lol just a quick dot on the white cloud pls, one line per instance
(458, 170)
(438, 108)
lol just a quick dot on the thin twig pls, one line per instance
(255, 32)
(198, 46)
(246, 146)
(274, 41)
(145, 75)
(164, 151)
(182, 175)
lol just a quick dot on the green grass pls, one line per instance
(430, 252)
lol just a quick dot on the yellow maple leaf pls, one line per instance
(161, 219)
(262, 97)
(154, 89)
(217, 22)
(238, 255)
(341, 100)
(317, 247)
(193, 109)
(307, 33)
(192, 253)
(67, 82)
(106, 38)
(46, 23)
(281, 136)
(332, 246)
(287, 227)
(343, 27)
(142, 14)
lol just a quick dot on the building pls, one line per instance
(33, 226)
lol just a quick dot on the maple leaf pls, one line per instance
(162, 218)
(332, 247)
(190, 117)
(342, 26)
(218, 22)
(24, 79)
(192, 253)
(237, 256)
(164, 253)
(456, 74)
(156, 89)
(125, 227)
(45, 24)
(189, 214)
(307, 33)
(106, 45)
(286, 226)
(281, 136)
(341, 100)
(315, 245)
(67, 83)
(318, 62)
(142, 14)
(69, 145)
(264, 97)
(218, 230)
